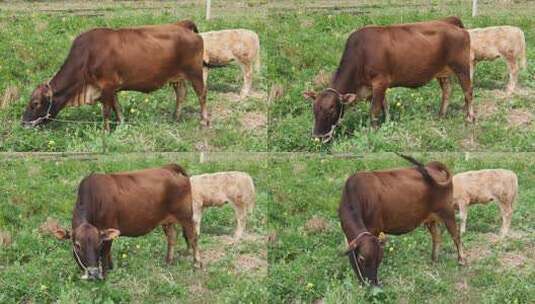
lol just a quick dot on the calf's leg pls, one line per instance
(463, 214)
(447, 215)
(445, 85)
(506, 209)
(170, 233)
(240, 210)
(247, 70)
(512, 66)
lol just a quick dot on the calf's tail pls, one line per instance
(423, 170)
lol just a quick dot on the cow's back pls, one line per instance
(396, 201)
(399, 50)
(139, 58)
(136, 202)
(221, 187)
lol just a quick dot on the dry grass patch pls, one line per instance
(276, 92)
(519, 118)
(253, 120)
(249, 262)
(322, 79)
(11, 93)
(316, 224)
(5, 239)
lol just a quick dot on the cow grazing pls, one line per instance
(128, 204)
(485, 186)
(507, 42)
(393, 202)
(223, 47)
(405, 55)
(103, 61)
(217, 189)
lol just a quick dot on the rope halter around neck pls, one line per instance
(354, 255)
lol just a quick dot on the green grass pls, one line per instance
(309, 265)
(33, 45)
(37, 268)
(309, 41)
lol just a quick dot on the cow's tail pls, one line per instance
(427, 176)
(176, 168)
(523, 59)
(454, 20)
(189, 25)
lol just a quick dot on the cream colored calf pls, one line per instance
(223, 47)
(220, 188)
(482, 187)
(507, 42)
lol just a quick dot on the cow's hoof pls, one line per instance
(205, 123)
(198, 265)
(462, 262)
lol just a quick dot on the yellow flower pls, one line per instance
(398, 104)
(124, 256)
(391, 249)
(310, 285)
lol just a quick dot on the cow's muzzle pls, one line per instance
(325, 138)
(93, 273)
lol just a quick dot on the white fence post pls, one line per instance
(474, 8)
(208, 8)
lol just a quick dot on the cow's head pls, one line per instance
(87, 243)
(39, 108)
(365, 255)
(327, 107)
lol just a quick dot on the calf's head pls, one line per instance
(39, 108)
(365, 255)
(87, 245)
(328, 109)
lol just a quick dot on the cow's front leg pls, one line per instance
(117, 109)
(106, 111)
(445, 85)
(180, 94)
(107, 263)
(378, 102)
(247, 70)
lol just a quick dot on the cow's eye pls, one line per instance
(77, 245)
(360, 258)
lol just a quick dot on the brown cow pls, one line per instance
(393, 202)
(405, 55)
(103, 61)
(129, 204)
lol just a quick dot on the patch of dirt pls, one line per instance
(461, 285)
(246, 237)
(235, 97)
(197, 289)
(476, 253)
(248, 262)
(322, 79)
(41, 26)
(519, 118)
(220, 113)
(469, 144)
(5, 239)
(253, 120)
(10, 94)
(202, 146)
(485, 109)
(276, 92)
(316, 224)
(272, 237)
(318, 301)
(209, 256)
(307, 23)
(512, 260)
(495, 238)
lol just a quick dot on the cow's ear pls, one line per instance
(109, 234)
(310, 95)
(349, 98)
(61, 234)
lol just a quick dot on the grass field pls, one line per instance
(34, 44)
(306, 262)
(308, 43)
(37, 268)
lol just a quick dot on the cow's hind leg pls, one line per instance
(463, 73)
(170, 233)
(197, 82)
(435, 236)
(445, 85)
(448, 217)
(180, 94)
(191, 235)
